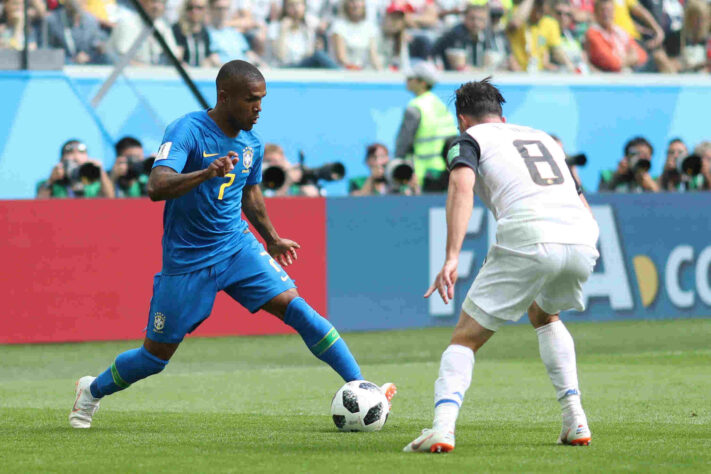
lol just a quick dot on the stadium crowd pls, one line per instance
(580, 36)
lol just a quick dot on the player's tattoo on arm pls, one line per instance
(166, 183)
(256, 211)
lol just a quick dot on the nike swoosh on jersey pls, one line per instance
(208, 155)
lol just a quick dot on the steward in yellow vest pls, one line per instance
(426, 125)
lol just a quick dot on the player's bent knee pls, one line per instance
(160, 350)
(538, 317)
(279, 304)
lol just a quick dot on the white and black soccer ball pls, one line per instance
(359, 406)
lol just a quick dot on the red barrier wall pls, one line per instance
(80, 270)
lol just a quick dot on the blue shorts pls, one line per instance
(181, 302)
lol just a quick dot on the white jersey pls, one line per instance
(521, 176)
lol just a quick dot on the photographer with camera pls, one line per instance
(671, 178)
(696, 168)
(131, 170)
(632, 174)
(281, 178)
(76, 175)
(573, 161)
(386, 176)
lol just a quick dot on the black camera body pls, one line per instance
(636, 163)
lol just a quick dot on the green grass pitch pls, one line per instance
(261, 404)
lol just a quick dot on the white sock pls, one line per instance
(558, 354)
(455, 375)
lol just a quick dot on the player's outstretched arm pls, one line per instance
(166, 183)
(283, 250)
(460, 202)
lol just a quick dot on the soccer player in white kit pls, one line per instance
(545, 250)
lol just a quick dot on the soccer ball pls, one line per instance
(359, 406)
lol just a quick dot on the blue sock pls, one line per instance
(129, 367)
(322, 339)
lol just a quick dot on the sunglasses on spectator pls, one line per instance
(76, 146)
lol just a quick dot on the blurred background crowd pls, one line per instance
(581, 36)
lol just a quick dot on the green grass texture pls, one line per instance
(261, 404)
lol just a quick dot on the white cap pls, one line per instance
(423, 70)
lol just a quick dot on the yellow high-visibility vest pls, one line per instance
(436, 124)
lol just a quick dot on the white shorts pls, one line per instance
(550, 274)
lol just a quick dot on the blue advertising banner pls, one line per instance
(655, 259)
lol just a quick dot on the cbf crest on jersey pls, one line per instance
(247, 155)
(158, 322)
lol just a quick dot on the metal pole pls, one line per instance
(26, 49)
(164, 46)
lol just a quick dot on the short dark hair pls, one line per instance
(638, 141)
(125, 143)
(237, 69)
(479, 99)
(372, 148)
(676, 140)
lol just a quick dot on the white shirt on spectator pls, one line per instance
(300, 43)
(127, 29)
(259, 8)
(357, 38)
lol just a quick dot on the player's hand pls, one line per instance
(223, 165)
(283, 251)
(444, 281)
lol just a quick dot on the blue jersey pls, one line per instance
(205, 225)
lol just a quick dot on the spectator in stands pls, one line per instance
(191, 35)
(379, 181)
(671, 178)
(609, 47)
(473, 44)
(632, 174)
(696, 37)
(295, 39)
(424, 17)
(12, 24)
(77, 33)
(650, 33)
(131, 170)
(354, 39)
(105, 12)
(535, 39)
(251, 18)
(227, 42)
(425, 126)
(398, 45)
(130, 26)
(669, 15)
(280, 177)
(582, 12)
(76, 175)
(562, 11)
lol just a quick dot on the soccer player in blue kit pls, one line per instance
(208, 170)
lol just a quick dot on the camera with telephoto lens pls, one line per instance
(398, 172)
(637, 164)
(77, 176)
(691, 165)
(273, 177)
(576, 160)
(328, 172)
